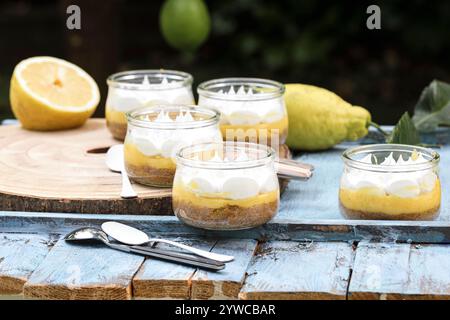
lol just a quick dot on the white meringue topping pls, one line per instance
(203, 185)
(243, 117)
(146, 147)
(389, 160)
(403, 188)
(240, 183)
(169, 148)
(240, 187)
(245, 111)
(400, 184)
(367, 159)
(124, 100)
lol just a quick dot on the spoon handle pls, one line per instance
(185, 258)
(291, 170)
(199, 252)
(296, 163)
(170, 256)
(127, 189)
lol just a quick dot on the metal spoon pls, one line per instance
(115, 163)
(90, 234)
(133, 236)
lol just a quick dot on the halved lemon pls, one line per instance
(52, 94)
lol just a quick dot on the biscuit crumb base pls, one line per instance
(229, 217)
(150, 176)
(118, 130)
(361, 215)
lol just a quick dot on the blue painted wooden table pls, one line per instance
(309, 251)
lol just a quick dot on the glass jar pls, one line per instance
(226, 186)
(131, 90)
(390, 182)
(155, 134)
(253, 110)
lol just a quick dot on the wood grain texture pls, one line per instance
(158, 279)
(277, 229)
(299, 270)
(226, 283)
(20, 254)
(400, 271)
(55, 172)
(316, 199)
(81, 272)
(65, 171)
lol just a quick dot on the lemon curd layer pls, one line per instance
(133, 157)
(281, 125)
(115, 116)
(366, 200)
(218, 200)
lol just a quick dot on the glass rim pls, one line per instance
(229, 165)
(348, 158)
(118, 80)
(204, 88)
(213, 117)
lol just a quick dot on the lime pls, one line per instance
(185, 24)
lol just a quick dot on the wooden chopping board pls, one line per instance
(65, 172)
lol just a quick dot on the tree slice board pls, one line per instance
(65, 172)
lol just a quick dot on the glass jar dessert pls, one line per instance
(226, 186)
(131, 90)
(155, 134)
(253, 110)
(390, 182)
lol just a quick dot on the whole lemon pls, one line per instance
(320, 119)
(185, 24)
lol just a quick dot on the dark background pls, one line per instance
(325, 43)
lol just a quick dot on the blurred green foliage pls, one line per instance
(328, 44)
(4, 96)
(324, 43)
(291, 33)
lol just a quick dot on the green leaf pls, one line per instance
(433, 107)
(405, 132)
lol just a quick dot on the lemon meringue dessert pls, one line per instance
(253, 110)
(155, 134)
(226, 186)
(131, 90)
(390, 182)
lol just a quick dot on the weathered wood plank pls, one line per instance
(226, 283)
(299, 270)
(277, 229)
(429, 272)
(319, 195)
(83, 272)
(158, 279)
(400, 271)
(379, 268)
(19, 257)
